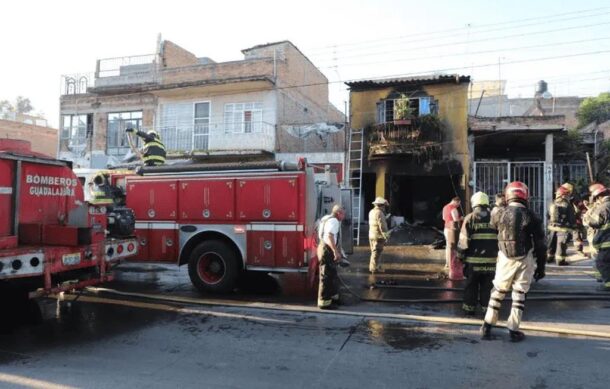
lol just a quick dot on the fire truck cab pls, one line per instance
(223, 219)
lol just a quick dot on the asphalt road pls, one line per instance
(112, 341)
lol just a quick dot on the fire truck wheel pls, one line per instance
(214, 267)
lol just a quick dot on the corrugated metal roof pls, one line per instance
(414, 80)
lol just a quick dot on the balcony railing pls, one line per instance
(76, 84)
(420, 138)
(136, 69)
(218, 138)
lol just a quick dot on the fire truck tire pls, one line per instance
(214, 267)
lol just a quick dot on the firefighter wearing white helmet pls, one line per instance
(153, 152)
(478, 250)
(378, 233)
(520, 240)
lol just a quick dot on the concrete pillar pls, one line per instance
(548, 173)
(381, 180)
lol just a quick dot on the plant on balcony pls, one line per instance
(402, 112)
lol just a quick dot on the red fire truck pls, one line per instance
(51, 240)
(224, 219)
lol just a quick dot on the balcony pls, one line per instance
(421, 139)
(218, 138)
(126, 71)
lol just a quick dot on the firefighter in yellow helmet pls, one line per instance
(100, 190)
(478, 250)
(153, 152)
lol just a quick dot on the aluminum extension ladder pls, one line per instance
(354, 163)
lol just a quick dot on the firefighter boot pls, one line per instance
(485, 331)
(516, 336)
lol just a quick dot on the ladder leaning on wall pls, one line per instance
(354, 164)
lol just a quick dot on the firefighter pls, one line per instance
(562, 221)
(478, 250)
(378, 233)
(599, 219)
(520, 239)
(329, 254)
(100, 190)
(591, 205)
(153, 151)
(452, 218)
(500, 204)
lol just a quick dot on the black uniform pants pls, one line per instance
(558, 246)
(477, 289)
(328, 289)
(602, 262)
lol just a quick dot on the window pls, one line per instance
(76, 129)
(201, 127)
(116, 138)
(243, 117)
(419, 106)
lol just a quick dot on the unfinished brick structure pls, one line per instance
(273, 103)
(43, 139)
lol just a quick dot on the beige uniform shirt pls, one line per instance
(378, 227)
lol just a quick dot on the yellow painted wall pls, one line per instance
(453, 110)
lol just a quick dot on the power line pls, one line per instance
(584, 26)
(548, 18)
(476, 52)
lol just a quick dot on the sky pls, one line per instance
(566, 43)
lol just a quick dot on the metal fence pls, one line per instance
(75, 84)
(125, 66)
(574, 172)
(492, 177)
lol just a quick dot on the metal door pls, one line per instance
(491, 177)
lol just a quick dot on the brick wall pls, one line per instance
(43, 139)
(175, 56)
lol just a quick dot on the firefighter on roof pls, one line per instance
(562, 221)
(520, 239)
(599, 219)
(478, 249)
(329, 255)
(153, 151)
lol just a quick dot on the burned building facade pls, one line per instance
(415, 140)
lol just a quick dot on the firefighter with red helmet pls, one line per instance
(562, 221)
(478, 250)
(599, 219)
(521, 256)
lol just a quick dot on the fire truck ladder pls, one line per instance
(354, 163)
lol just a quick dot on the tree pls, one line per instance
(594, 109)
(23, 105)
(5, 108)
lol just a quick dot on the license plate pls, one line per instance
(71, 259)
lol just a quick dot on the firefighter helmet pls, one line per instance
(380, 201)
(568, 187)
(153, 133)
(597, 190)
(562, 191)
(479, 199)
(516, 191)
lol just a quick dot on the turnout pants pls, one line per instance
(376, 250)
(328, 288)
(477, 289)
(558, 246)
(602, 262)
(515, 275)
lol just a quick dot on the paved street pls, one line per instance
(113, 341)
